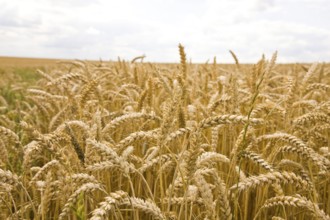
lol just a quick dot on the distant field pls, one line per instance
(25, 69)
(6, 62)
(18, 69)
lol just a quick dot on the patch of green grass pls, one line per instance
(22, 78)
(11, 95)
(28, 75)
(13, 85)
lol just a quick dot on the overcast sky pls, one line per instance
(84, 29)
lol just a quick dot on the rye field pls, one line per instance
(138, 140)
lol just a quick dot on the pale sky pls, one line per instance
(82, 29)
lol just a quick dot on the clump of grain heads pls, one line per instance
(134, 140)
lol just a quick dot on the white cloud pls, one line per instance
(263, 5)
(92, 29)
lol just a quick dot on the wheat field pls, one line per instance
(135, 140)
